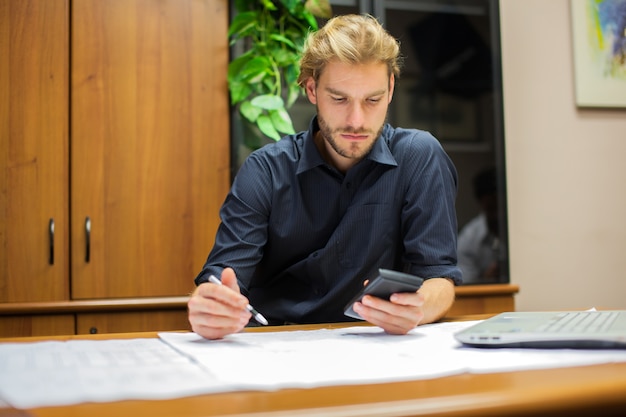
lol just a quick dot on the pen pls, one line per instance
(257, 316)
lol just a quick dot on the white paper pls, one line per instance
(59, 373)
(358, 355)
(183, 364)
(354, 355)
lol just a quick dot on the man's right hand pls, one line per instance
(218, 310)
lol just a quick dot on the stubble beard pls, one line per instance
(354, 151)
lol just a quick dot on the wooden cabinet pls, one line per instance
(34, 152)
(130, 321)
(483, 299)
(114, 158)
(14, 325)
(150, 143)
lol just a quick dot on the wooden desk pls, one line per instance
(580, 391)
(55, 318)
(483, 299)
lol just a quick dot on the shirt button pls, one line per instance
(348, 185)
(315, 254)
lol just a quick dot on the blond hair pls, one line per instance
(355, 39)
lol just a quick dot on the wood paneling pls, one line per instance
(132, 322)
(150, 143)
(95, 306)
(483, 299)
(116, 111)
(34, 161)
(49, 325)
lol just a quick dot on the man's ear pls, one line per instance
(311, 92)
(392, 85)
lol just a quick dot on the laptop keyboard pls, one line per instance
(580, 322)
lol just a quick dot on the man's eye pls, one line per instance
(338, 99)
(374, 100)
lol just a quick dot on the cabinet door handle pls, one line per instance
(51, 241)
(87, 239)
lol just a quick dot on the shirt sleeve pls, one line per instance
(242, 233)
(429, 220)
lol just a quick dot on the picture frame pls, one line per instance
(599, 46)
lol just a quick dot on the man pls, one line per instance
(311, 217)
(480, 250)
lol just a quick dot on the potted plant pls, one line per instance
(262, 79)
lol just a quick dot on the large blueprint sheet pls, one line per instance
(183, 364)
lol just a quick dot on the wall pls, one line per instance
(565, 169)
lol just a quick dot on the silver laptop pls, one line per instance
(562, 329)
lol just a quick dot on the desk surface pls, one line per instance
(589, 390)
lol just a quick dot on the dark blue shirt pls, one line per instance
(302, 237)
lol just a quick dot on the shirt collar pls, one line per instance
(380, 152)
(311, 157)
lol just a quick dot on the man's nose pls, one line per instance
(356, 115)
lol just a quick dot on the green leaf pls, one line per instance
(242, 22)
(256, 69)
(267, 127)
(298, 26)
(282, 39)
(291, 5)
(239, 91)
(256, 64)
(249, 111)
(268, 102)
(235, 66)
(293, 94)
(291, 74)
(268, 5)
(283, 57)
(282, 121)
(242, 5)
(293, 89)
(312, 22)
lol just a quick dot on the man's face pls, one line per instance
(352, 102)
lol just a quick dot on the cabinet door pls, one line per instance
(149, 143)
(134, 321)
(34, 80)
(37, 325)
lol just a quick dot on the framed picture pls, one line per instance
(599, 39)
